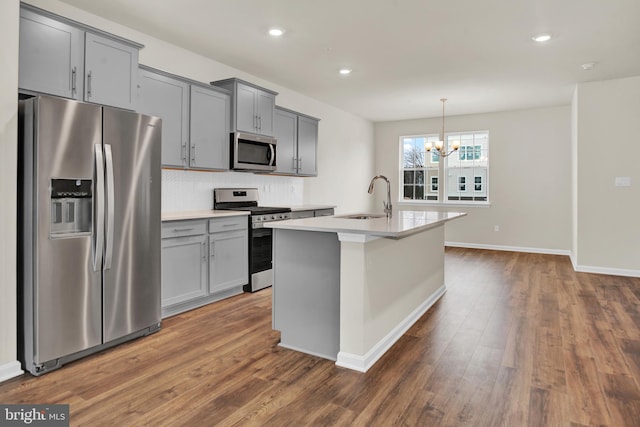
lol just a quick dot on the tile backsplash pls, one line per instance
(193, 190)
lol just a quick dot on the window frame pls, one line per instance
(442, 174)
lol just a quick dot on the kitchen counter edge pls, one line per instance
(403, 224)
(179, 216)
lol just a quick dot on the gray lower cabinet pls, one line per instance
(297, 136)
(195, 119)
(184, 264)
(311, 213)
(228, 253)
(203, 261)
(323, 212)
(60, 57)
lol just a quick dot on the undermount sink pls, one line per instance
(362, 216)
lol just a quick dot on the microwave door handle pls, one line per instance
(110, 207)
(99, 208)
(272, 155)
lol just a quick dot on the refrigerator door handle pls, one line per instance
(108, 254)
(99, 208)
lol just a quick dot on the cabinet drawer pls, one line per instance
(228, 223)
(183, 228)
(324, 212)
(301, 214)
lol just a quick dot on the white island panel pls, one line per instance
(390, 271)
(386, 285)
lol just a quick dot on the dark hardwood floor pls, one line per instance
(518, 339)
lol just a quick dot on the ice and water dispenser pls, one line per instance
(71, 207)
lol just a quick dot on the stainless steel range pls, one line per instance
(260, 238)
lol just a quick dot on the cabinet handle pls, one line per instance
(260, 123)
(299, 164)
(184, 152)
(74, 72)
(255, 122)
(212, 249)
(89, 84)
(183, 229)
(295, 164)
(204, 251)
(193, 154)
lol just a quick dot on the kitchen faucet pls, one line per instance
(387, 204)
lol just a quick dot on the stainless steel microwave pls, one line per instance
(252, 152)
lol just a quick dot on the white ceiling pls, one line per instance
(405, 54)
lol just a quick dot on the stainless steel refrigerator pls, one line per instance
(89, 224)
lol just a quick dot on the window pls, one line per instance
(465, 171)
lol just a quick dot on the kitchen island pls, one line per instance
(347, 287)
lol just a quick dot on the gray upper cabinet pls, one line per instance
(51, 56)
(307, 145)
(64, 58)
(167, 98)
(111, 70)
(252, 106)
(285, 129)
(195, 119)
(209, 129)
(297, 136)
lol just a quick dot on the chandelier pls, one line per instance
(440, 146)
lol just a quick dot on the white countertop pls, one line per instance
(401, 224)
(182, 215)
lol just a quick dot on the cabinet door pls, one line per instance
(50, 57)
(184, 269)
(229, 260)
(307, 145)
(245, 109)
(285, 130)
(168, 99)
(265, 105)
(209, 129)
(111, 72)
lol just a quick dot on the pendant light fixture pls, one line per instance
(441, 147)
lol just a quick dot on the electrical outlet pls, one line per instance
(496, 228)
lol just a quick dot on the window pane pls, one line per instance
(409, 177)
(408, 192)
(419, 192)
(419, 177)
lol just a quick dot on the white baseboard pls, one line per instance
(10, 370)
(509, 248)
(576, 267)
(605, 270)
(361, 363)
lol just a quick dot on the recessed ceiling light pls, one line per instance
(345, 71)
(540, 38)
(276, 32)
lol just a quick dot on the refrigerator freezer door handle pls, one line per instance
(99, 209)
(108, 253)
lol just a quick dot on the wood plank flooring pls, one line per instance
(517, 340)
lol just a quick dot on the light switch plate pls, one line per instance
(623, 181)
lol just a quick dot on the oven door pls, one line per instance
(252, 152)
(260, 258)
